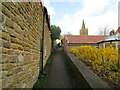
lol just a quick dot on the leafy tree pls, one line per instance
(112, 32)
(55, 31)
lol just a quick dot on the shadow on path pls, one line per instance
(57, 77)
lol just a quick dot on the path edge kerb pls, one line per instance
(88, 78)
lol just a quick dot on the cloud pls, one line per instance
(97, 13)
(50, 9)
(94, 6)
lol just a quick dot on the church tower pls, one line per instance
(83, 30)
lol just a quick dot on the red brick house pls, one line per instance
(71, 41)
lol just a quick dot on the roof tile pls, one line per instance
(84, 39)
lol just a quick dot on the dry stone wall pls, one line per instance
(47, 43)
(21, 26)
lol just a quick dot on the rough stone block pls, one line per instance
(6, 11)
(2, 17)
(11, 52)
(18, 69)
(17, 28)
(6, 44)
(4, 58)
(13, 59)
(19, 75)
(17, 11)
(4, 50)
(20, 58)
(13, 40)
(10, 7)
(9, 23)
(7, 81)
(20, 47)
(3, 74)
(22, 26)
(16, 46)
(5, 35)
(17, 52)
(8, 66)
(12, 32)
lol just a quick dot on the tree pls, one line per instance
(55, 31)
(112, 32)
(103, 30)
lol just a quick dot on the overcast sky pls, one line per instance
(97, 14)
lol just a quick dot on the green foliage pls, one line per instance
(112, 32)
(41, 82)
(42, 78)
(55, 31)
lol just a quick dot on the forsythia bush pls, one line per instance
(104, 60)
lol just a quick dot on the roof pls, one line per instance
(113, 37)
(110, 38)
(118, 31)
(84, 39)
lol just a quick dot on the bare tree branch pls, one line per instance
(103, 30)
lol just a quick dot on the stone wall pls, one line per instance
(84, 77)
(20, 34)
(47, 43)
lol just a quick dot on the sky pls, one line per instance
(69, 14)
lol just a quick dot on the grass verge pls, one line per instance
(42, 78)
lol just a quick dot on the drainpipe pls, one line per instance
(42, 43)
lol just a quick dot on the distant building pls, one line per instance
(83, 30)
(71, 41)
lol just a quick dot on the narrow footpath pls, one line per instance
(58, 77)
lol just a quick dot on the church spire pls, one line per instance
(83, 30)
(83, 25)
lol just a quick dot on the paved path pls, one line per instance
(58, 77)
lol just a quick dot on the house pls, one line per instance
(71, 41)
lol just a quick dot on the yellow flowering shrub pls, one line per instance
(104, 60)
